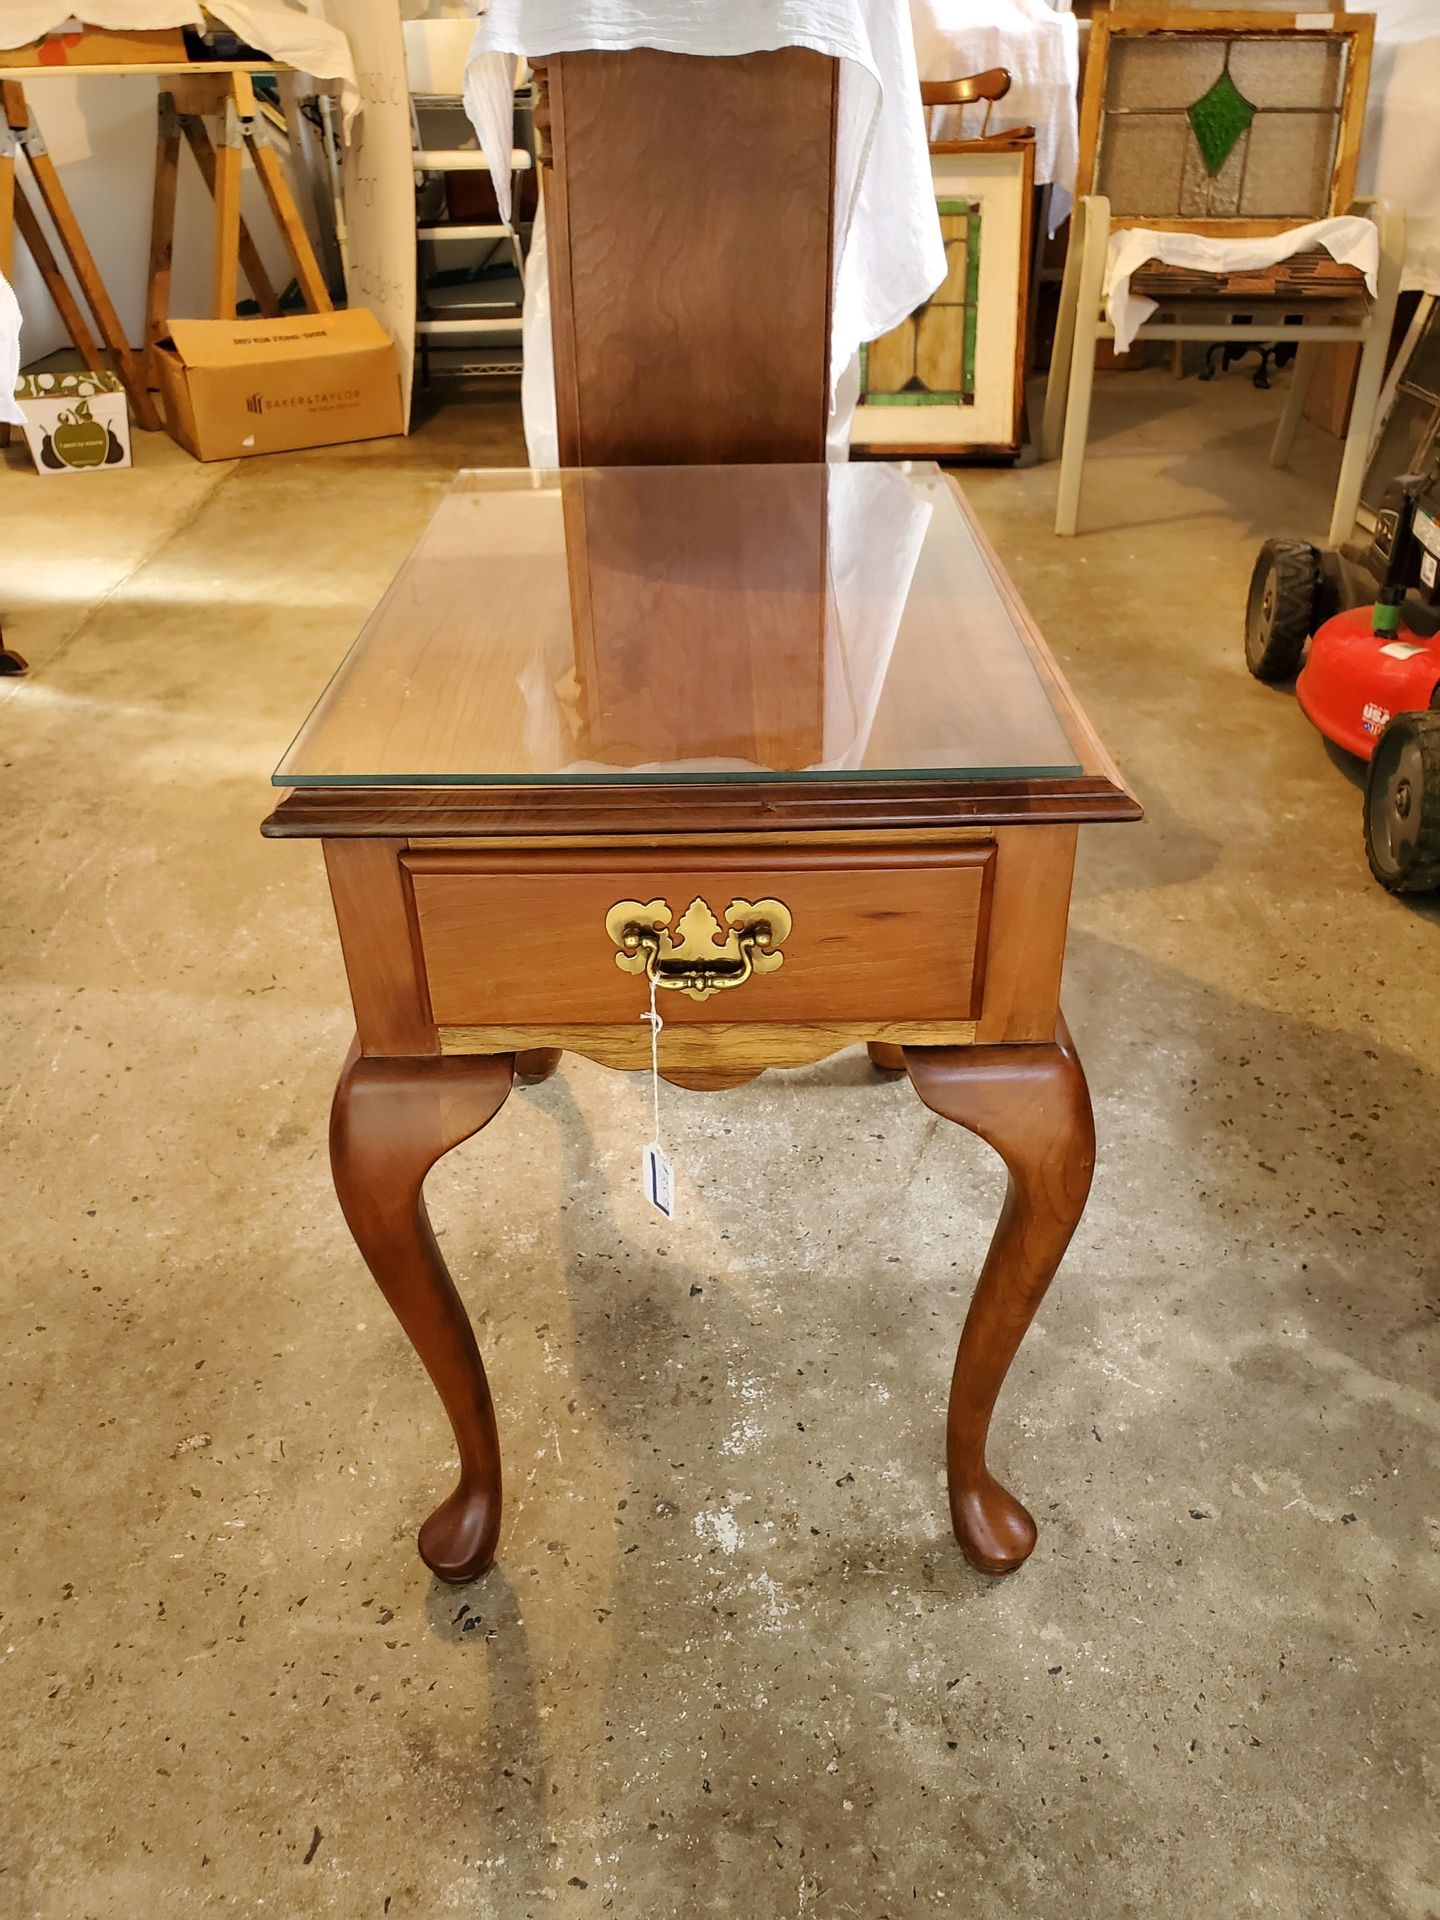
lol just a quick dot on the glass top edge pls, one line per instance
(959, 776)
(878, 612)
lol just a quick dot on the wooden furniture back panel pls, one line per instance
(896, 939)
(689, 210)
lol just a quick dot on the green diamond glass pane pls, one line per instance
(1219, 118)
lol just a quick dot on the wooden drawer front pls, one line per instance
(900, 938)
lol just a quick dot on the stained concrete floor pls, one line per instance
(729, 1661)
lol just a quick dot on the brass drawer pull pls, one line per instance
(699, 957)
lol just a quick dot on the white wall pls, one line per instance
(101, 135)
(379, 176)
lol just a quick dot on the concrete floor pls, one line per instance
(729, 1662)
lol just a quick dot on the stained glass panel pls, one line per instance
(1165, 75)
(1290, 160)
(1219, 120)
(1289, 73)
(929, 360)
(1205, 126)
(1143, 158)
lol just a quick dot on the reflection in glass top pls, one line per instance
(687, 623)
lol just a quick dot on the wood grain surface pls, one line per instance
(689, 213)
(715, 1044)
(375, 916)
(1310, 275)
(892, 938)
(1033, 1107)
(390, 1122)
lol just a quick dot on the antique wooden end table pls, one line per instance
(781, 740)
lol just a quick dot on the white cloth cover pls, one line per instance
(1400, 152)
(1349, 238)
(10, 414)
(1040, 50)
(889, 254)
(300, 40)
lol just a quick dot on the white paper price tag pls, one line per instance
(658, 1178)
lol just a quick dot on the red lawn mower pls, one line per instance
(1371, 679)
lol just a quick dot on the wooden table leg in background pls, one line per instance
(76, 248)
(56, 285)
(391, 1121)
(162, 231)
(9, 143)
(538, 1063)
(197, 138)
(225, 267)
(270, 169)
(1032, 1106)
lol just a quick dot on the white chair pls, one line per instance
(1137, 135)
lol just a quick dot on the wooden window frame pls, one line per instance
(1356, 29)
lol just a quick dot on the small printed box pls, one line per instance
(75, 422)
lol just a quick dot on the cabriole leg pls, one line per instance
(1032, 1105)
(538, 1063)
(391, 1121)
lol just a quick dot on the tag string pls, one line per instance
(656, 1023)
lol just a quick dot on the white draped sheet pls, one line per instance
(1350, 238)
(299, 39)
(1040, 50)
(1400, 153)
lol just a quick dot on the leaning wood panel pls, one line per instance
(689, 215)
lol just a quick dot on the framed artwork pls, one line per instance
(1223, 122)
(949, 380)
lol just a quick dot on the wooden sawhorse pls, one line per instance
(187, 98)
(228, 96)
(18, 134)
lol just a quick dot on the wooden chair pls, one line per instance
(1171, 141)
(990, 86)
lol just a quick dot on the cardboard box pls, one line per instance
(236, 387)
(101, 48)
(75, 422)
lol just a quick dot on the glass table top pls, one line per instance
(668, 624)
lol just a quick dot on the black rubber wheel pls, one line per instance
(1402, 804)
(1280, 612)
